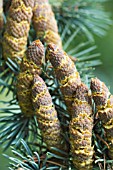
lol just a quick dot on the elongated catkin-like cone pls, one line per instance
(47, 115)
(17, 28)
(31, 64)
(45, 23)
(65, 72)
(1, 15)
(78, 103)
(104, 103)
(80, 129)
(100, 93)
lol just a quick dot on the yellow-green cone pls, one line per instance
(48, 121)
(44, 23)
(17, 29)
(104, 103)
(65, 72)
(31, 64)
(78, 102)
(80, 129)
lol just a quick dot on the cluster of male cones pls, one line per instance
(32, 93)
(20, 15)
(31, 84)
(34, 98)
